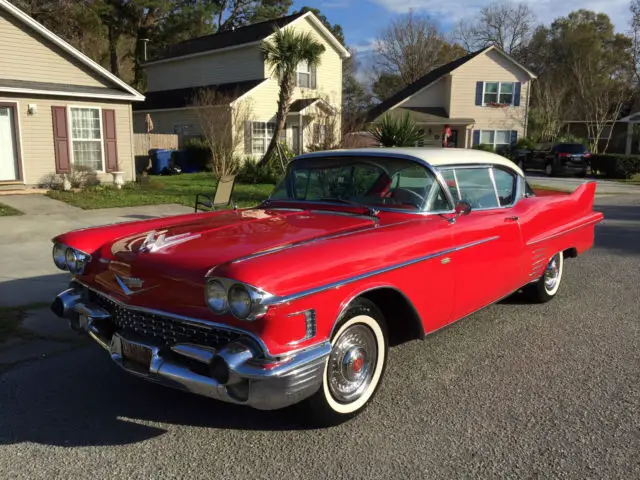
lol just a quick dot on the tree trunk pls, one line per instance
(114, 37)
(284, 104)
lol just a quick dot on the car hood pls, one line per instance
(202, 242)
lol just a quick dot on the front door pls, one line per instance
(8, 144)
(489, 262)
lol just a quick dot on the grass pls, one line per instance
(181, 189)
(7, 211)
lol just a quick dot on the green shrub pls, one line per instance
(615, 166)
(485, 147)
(199, 153)
(525, 144)
(251, 173)
(397, 132)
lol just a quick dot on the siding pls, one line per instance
(434, 96)
(488, 67)
(24, 55)
(36, 133)
(223, 67)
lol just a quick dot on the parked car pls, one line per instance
(558, 159)
(297, 299)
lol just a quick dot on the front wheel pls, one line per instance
(354, 369)
(547, 286)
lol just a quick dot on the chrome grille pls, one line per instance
(162, 330)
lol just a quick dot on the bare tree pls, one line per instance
(410, 46)
(547, 109)
(635, 38)
(221, 123)
(505, 24)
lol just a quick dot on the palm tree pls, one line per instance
(283, 52)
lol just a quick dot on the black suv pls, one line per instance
(560, 159)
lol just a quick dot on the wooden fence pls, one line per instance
(143, 142)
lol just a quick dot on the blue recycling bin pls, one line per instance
(160, 159)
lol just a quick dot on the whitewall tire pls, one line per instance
(548, 284)
(354, 369)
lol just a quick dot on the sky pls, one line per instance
(362, 20)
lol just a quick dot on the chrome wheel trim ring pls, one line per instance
(352, 363)
(552, 274)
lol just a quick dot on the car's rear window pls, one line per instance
(571, 148)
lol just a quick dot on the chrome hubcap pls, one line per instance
(552, 273)
(352, 363)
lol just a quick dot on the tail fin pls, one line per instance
(585, 195)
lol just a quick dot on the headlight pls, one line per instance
(243, 301)
(59, 256)
(76, 260)
(67, 258)
(239, 301)
(216, 297)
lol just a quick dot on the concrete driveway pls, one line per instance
(27, 273)
(514, 391)
(605, 187)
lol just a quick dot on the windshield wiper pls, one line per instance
(372, 212)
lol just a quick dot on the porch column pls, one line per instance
(629, 138)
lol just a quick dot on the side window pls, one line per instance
(450, 180)
(414, 179)
(506, 183)
(476, 187)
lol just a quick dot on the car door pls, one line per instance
(488, 258)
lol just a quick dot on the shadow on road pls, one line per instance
(91, 402)
(620, 230)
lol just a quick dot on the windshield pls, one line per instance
(373, 181)
(571, 148)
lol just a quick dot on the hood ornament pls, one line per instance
(154, 242)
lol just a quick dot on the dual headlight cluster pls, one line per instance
(242, 301)
(67, 258)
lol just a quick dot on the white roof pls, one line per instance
(436, 157)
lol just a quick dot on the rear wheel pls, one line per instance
(355, 367)
(548, 169)
(547, 286)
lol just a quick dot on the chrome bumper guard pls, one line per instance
(230, 374)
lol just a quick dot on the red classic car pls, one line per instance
(299, 298)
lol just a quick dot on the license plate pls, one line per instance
(136, 353)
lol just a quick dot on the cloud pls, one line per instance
(546, 10)
(344, 4)
(365, 46)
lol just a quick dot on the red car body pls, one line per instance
(433, 268)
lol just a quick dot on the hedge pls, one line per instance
(615, 166)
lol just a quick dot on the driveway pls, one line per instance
(514, 391)
(605, 187)
(27, 273)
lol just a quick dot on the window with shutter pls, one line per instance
(86, 137)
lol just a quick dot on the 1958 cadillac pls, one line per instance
(298, 299)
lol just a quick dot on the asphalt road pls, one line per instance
(515, 391)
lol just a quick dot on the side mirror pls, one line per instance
(462, 208)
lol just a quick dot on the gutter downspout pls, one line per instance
(526, 110)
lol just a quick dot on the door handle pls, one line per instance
(512, 219)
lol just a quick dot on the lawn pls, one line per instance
(6, 211)
(181, 189)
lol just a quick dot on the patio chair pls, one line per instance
(222, 195)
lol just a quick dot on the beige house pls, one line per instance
(58, 108)
(230, 63)
(480, 98)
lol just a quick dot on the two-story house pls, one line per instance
(231, 64)
(59, 110)
(482, 97)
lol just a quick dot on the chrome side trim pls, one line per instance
(549, 237)
(305, 293)
(311, 241)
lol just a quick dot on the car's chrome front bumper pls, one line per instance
(232, 373)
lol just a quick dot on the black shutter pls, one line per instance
(516, 94)
(479, 89)
(476, 138)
